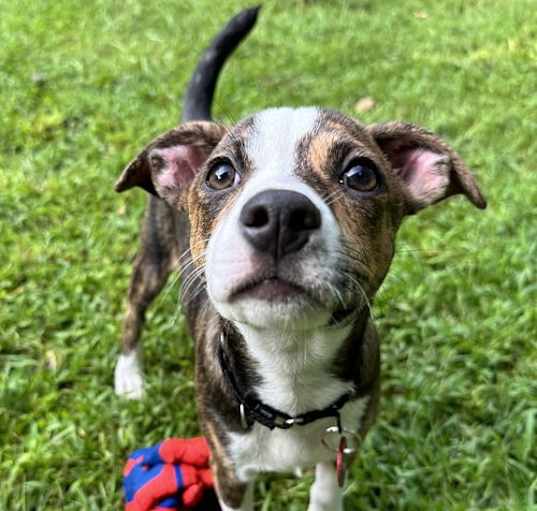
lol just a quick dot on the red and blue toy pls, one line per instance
(169, 476)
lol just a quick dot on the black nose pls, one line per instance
(278, 222)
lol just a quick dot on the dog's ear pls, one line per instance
(169, 163)
(429, 168)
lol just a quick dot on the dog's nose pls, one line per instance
(279, 222)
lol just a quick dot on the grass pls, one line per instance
(83, 86)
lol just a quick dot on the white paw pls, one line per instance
(128, 378)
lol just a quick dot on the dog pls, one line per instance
(284, 226)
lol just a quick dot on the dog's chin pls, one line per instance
(274, 303)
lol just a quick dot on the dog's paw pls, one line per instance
(128, 378)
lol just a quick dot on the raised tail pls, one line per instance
(199, 94)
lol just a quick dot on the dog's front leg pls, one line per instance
(325, 494)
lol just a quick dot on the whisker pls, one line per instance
(336, 197)
(187, 251)
(328, 195)
(360, 288)
(191, 279)
(194, 293)
(186, 267)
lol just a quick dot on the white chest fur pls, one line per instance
(285, 450)
(296, 378)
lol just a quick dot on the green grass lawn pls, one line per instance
(84, 85)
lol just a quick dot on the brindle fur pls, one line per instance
(368, 230)
(370, 224)
(158, 256)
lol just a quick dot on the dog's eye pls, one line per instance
(360, 175)
(222, 176)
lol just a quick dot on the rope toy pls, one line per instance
(168, 476)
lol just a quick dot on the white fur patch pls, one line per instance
(271, 148)
(128, 376)
(283, 450)
(295, 366)
(277, 131)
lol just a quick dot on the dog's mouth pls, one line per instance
(271, 288)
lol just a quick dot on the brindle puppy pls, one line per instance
(288, 220)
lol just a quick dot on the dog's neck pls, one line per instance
(296, 368)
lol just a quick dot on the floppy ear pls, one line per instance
(169, 163)
(430, 170)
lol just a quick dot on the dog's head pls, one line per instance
(294, 212)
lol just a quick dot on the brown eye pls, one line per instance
(222, 176)
(361, 175)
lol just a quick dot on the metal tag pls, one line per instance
(341, 466)
(344, 443)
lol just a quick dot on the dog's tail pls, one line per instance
(199, 94)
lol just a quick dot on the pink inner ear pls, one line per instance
(425, 172)
(181, 164)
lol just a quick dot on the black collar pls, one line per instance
(253, 410)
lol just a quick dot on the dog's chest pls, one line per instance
(285, 450)
(295, 380)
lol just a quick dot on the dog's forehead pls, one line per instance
(273, 139)
(276, 133)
